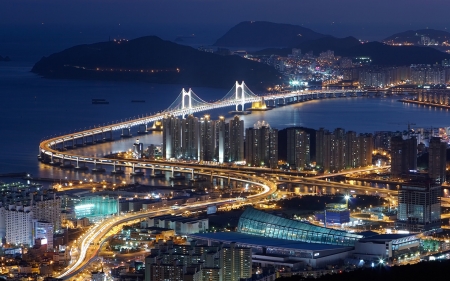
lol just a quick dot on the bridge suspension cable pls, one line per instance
(186, 100)
(238, 92)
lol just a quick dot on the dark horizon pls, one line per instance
(363, 20)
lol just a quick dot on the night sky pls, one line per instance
(336, 17)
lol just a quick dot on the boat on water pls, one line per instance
(100, 101)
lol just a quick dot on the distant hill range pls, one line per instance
(155, 60)
(380, 53)
(316, 46)
(414, 36)
(260, 34)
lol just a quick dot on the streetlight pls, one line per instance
(346, 197)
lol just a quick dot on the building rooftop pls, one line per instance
(258, 241)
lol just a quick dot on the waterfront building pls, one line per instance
(320, 135)
(298, 148)
(207, 139)
(171, 137)
(419, 206)
(352, 156)
(403, 156)
(261, 143)
(236, 140)
(190, 138)
(437, 160)
(222, 140)
(365, 150)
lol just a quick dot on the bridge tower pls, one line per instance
(242, 97)
(187, 105)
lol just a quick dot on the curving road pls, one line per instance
(95, 235)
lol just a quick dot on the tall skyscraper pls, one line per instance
(403, 155)
(419, 207)
(171, 137)
(298, 148)
(236, 139)
(352, 150)
(365, 149)
(190, 138)
(396, 156)
(339, 149)
(207, 139)
(320, 135)
(437, 160)
(19, 225)
(222, 139)
(261, 143)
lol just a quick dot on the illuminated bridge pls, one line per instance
(186, 103)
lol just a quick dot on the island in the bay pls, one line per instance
(152, 59)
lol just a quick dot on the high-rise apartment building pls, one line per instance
(207, 139)
(365, 150)
(320, 135)
(403, 155)
(298, 148)
(198, 262)
(171, 137)
(236, 140)
(190, 140)
(19, 225)
(48, 209)
(437, 160)
(339, 150)
(235, 262)
(261, 143)
(204, 139)
(419, 207)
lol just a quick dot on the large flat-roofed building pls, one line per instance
(419, 207)
(181, 225)
(386, 246)
(267, 250)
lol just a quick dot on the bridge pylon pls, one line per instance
(242, 97)
(187, 104)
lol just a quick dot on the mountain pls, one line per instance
(385, 55)
(154, 60)
(414, 36)
(316, 46)
(262, 34)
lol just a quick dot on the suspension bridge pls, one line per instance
(186, 103)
